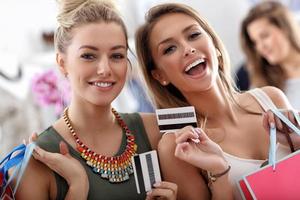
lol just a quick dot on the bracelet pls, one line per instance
(213, 177)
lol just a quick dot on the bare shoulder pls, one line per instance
(167, 143)
(176, 171)
(277, 96)
(39, 176)
(151, 127)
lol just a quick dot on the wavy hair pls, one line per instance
(280, 16)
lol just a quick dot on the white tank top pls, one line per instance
(242, 166)
(292, 92)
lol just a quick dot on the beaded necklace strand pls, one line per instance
(115, 168)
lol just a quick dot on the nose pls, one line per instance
(189, 51)
(103, 68)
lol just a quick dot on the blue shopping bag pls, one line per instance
(16, 160)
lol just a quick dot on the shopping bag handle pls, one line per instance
(29, 149)
(12, 159)
(20, 162)
(284, 119)
(17, 148)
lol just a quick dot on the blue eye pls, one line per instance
(118, 56)
(194, 35)
(88, 56)
(169, 50)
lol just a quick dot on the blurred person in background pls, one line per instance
(270, 39)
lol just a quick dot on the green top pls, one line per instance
(101, 188)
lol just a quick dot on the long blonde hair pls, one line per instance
(170, 96)
(278, 15)
(74, 13)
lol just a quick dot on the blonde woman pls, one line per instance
(92, 143)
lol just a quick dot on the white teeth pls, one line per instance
(197, 62)
(102, 84)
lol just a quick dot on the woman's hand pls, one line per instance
(66, 166)
(194, 147)
(270, 118)
(163, 190)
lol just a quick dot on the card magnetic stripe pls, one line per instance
(139, 174)
(176, 115)
(176, 126)
(151, 172)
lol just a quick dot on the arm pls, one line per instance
(190, 183)
(151, 128)
(278, 97)
(193, 146)
(281, 102)
(67, 167)
(165, 190)
(39, 176)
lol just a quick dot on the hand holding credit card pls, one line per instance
(146, 171)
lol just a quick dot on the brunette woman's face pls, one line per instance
(96, 62)
(184, 54)
(269, 40)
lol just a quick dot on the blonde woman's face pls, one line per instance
(270, 41)
(96, 62)
(184, 54)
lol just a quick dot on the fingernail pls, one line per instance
(149, 192)
(196, 135)
(198, 130)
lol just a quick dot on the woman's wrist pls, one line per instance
(219, 170)
(214, 176)
(219, 183)
(78, 190)
(220, 167)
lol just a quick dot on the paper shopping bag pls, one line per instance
(281, 183)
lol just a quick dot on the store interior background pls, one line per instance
(25, 50)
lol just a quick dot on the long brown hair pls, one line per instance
(170, 96)
(278, 15)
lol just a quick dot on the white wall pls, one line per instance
(21, 24)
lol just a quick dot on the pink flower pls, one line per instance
(49, 89)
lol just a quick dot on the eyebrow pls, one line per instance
(96, 49)
(89, 47)
(183, 31)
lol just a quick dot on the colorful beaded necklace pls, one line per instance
(116, 168)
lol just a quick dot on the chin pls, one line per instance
(273, 60)
(101, 101)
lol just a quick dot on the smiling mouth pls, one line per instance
(196, 67)
(102, 84)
